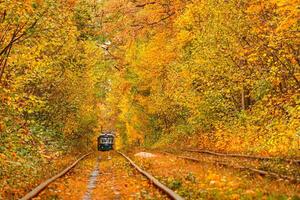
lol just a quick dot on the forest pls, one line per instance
(222, 75)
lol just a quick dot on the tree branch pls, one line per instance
(145, 4)
(162, 19)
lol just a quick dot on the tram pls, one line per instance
(106, 141)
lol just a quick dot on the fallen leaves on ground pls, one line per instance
(208, 181)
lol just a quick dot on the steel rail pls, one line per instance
(241, 155)
(159, 185)
(43, 185)
(262, 172)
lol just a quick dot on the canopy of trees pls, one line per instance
(222, 74)
(224, 71)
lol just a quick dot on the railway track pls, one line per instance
(97, 173)
(204, 151)
(159, 185)
(43, 185)
(107, 174)
(242, 162)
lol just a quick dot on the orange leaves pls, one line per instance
(156, 55)
(256, 8)
(206, 65)
(72, 3)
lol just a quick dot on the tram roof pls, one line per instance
(107, 134)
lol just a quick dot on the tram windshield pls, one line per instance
(106, 140)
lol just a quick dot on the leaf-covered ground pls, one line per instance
(73, 185)
(119, 180)
(208, 181)
(116, 180)
(21, 176)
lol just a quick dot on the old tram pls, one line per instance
(106, 141)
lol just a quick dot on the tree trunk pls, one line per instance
(243, 99)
